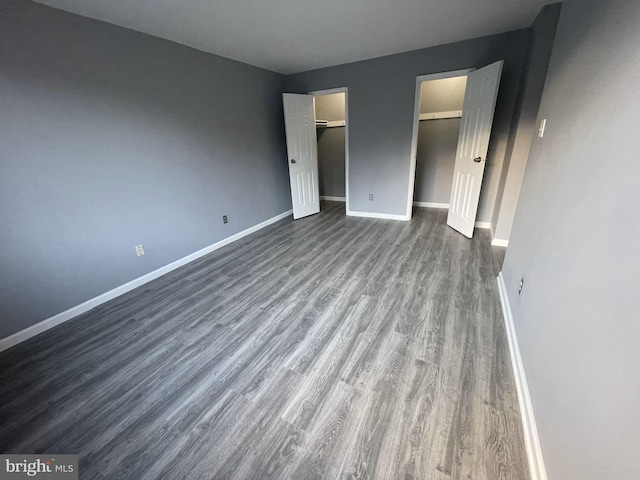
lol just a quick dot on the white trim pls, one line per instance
(344, 90)
(441, 115)
(416, 126)
(531, 439)
(332, 199)
(497, 242)
(482, 225)
(430, 205)
(386, 216)
(73, 312)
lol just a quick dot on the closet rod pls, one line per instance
(441, 115)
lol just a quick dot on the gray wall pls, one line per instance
(435, 158)
(524, 127)
(575, 241)
(442, 95)
(381, 112)
(330, 107)
(438, 139)
(112, 138)
(331, 161)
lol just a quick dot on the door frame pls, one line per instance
(416, 126)
(345, 90)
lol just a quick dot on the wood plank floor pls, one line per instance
(331, 347)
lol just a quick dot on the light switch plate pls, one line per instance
(543, 124)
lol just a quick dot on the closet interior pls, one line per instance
(440, 115)
(330, 130)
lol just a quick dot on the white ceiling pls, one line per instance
(290, 36)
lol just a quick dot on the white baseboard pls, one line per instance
(332, 199)
(531, 439)
(430, 205)
(483, 224)
(386, 216)
(497, 242)
(73, 312)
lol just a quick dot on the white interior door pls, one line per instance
(473, 143)
(302, 149)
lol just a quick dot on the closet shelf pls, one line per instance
(441, 115)
(328, 124)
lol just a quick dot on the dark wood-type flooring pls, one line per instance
(330, 347)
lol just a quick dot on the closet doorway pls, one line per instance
(331, 115)
(438, 130)
(452, 127)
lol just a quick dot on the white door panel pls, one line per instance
(473, 143)
(302, 150)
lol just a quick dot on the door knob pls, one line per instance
(477, 159)
(293, 160)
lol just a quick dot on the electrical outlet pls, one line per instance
(139, 250)
(370, 196)
(520, 286)
(225, 219)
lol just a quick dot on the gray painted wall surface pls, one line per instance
(112, 138)
(330, 107)
(436, 155)
(442, 95)
(438, 139)
(537, 63)
(381, 112)
(575, 241)
(331, 161)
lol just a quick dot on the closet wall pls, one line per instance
(437, 139)
(331, 148)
